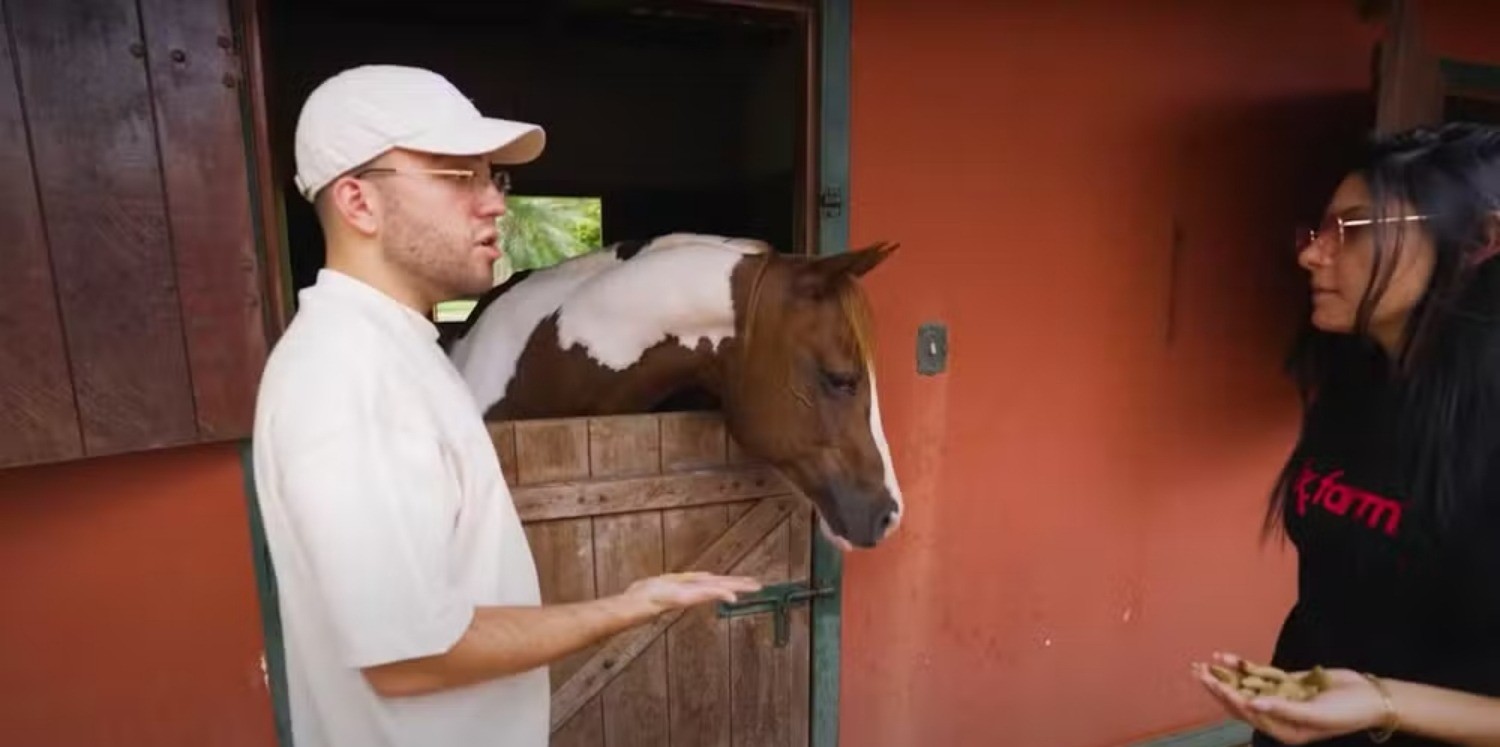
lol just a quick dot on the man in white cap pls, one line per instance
(408, 594)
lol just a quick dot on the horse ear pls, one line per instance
(820, 276)
(857, 262)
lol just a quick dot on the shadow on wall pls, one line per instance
(1247, 176)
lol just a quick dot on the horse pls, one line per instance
(782, 344)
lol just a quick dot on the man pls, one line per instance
(408, 594)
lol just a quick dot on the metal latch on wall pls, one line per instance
(777, 599)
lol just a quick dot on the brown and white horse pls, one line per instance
(782, 343)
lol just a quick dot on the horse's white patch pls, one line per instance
(878, 431)
(677, 287)
(486, 355)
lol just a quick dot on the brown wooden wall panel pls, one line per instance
(205, 165)
(692, 440)
(503, 436)
(799, 654)
(585, 729)
(760, 673)
(88, 105)
(38, 421)
(624, 446)
(628, 494)
(564, 552)
(628, 548)
(551, 451)
(698, 645)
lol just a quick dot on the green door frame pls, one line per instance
(833, 238)
(270, 608)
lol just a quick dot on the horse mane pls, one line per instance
(856, 305)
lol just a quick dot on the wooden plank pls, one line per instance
(723, 554)
(503, 436)
(252, 17)
(799, 654)
(195, 79)
(1411, 77)
(698, 645)
(551, 451)
(692, 440)
(89, 110)
(585, 729)
(38, 421)
(597, 497)
(629, 547)
(564, 553)
(624, 446)
(760, 685)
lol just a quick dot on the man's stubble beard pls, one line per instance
(441, 261)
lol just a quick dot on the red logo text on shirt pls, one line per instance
(1375, 511)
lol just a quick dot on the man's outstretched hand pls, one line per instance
(659, 594)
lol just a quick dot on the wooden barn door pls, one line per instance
(607, 501)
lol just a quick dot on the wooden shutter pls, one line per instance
(131, 316)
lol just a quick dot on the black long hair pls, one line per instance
(1440, 391)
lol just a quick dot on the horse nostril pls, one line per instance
(887, 519)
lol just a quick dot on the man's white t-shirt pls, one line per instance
(388, 522)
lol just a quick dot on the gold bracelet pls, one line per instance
(1392, 720)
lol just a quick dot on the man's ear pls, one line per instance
(351, 202)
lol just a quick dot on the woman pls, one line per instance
(1392, 493)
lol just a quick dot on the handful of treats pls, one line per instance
(1254, 680)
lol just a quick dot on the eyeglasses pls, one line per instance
(1340, 228)
(474, 180)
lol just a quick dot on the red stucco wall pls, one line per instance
(1085, 484)
(130, 613)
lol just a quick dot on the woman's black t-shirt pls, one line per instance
(1379, 590)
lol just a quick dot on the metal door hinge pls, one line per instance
(831, 200)
(777, 599)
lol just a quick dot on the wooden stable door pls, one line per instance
(607, 501)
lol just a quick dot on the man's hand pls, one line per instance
(659, 594)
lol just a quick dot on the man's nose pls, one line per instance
(491, 202)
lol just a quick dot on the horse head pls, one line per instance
(784, 344)
(799, 388)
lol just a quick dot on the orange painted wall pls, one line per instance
(1086, 483)
(130, 611)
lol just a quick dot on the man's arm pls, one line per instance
(506, 640)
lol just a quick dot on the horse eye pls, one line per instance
(841, 383)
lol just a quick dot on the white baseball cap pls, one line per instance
(365, 111)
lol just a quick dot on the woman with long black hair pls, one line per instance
(1392, 492)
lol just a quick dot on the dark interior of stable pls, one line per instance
(679, 118)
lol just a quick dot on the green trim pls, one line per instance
(1470, 76)
(1223, 734)
(833, 138)
(270, 610)
(833, 238)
